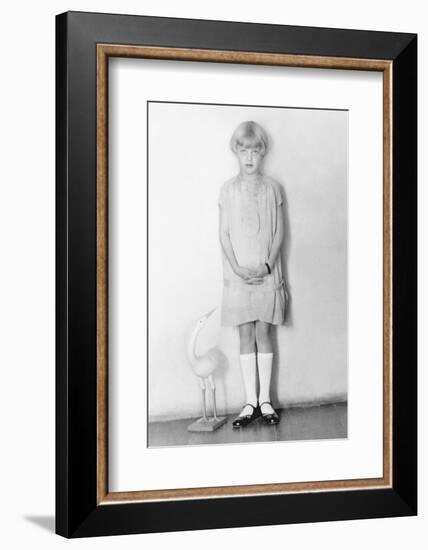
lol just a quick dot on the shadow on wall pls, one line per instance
(285, 254)
(288, 321)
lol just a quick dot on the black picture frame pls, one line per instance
(78, 512)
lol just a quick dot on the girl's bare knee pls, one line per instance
(247, 337)
(262, 334)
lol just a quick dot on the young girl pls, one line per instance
(254, 296)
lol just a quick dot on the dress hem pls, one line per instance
(250, 320)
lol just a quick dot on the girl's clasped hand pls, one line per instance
(253, 276)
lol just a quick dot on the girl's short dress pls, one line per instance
(251, 216)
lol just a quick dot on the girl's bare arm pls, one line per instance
(225, 240)
(277, 240)
(228, 250)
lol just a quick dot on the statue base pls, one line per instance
(208, 425)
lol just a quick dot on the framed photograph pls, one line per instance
(236, 274)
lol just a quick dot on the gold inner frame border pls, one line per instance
(104, 52)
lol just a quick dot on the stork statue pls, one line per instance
(204, 366)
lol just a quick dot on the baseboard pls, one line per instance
(329, 400)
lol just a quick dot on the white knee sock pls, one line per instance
(265, 373)
(249, 376)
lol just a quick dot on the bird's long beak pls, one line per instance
(205, 317)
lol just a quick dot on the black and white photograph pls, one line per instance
(247, 273)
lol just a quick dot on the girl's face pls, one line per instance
(250, 159)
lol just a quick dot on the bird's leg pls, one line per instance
(203, 392)
(212, 384)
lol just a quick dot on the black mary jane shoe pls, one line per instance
(244, 420)
(269, 418)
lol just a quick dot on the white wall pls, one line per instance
(27, 275)
(189, 159)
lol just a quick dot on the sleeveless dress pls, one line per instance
(251, 217)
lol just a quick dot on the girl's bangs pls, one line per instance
(250, 141)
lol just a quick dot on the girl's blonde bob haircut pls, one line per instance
(249, 134)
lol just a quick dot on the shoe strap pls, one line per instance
(254, 407)
(266, 402)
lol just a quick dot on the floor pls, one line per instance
(297, 423)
